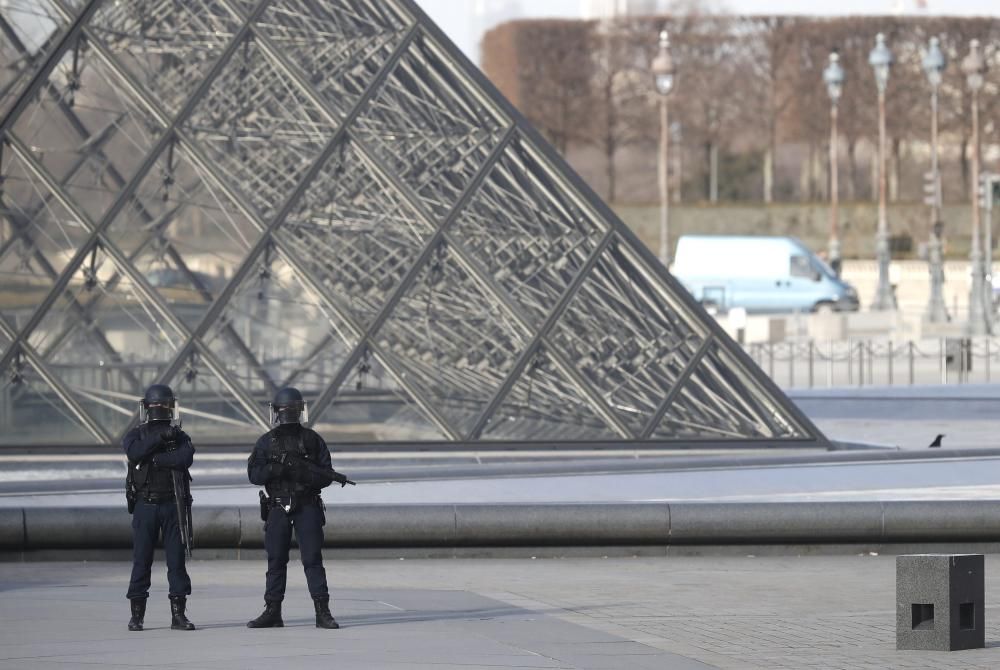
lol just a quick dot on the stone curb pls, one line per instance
(553, 525)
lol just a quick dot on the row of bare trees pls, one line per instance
(749, 89)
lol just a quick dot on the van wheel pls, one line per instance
(824, 308)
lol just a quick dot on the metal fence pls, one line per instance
(879, 362)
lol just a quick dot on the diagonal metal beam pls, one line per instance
(128, 191)
(52, 59)
(408, 279)
(195, 154)
(111, 285)
(406, 192)
(372, 88)
(557, 311)
(307, 362)
(649, 264)
(296, 76)
(60, 389)
(251, 214)
(228, 329)
(633, 244)
(22, 231)
(95, 148)
(676, 389)
(84, 319)
(100, 139)
(329, 394)
(293, 199)
(120, 181)
(140, 283)
(491, 286)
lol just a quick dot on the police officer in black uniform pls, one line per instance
(155, 449)
(290, 462)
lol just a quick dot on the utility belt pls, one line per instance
(157, 497)
(289, 503)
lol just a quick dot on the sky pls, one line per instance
(456, 17)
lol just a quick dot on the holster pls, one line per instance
(265, 505)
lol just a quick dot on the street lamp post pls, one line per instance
(974, 68)
(934, 64)
(881, 61)
(833, 76)
(663, 77)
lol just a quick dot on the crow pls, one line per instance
(937, 442)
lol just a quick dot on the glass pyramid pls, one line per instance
(234, 195)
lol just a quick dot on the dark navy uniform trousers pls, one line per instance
(307, 520)
(148, 520)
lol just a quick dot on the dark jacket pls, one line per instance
(284, 480)
(145, 446)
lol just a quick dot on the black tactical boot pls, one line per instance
(138, 613)
(271, 618)
(177, 619)
(323, 617)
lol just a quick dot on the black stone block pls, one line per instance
(940, 602)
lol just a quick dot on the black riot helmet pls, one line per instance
(288, 407)
(159, 404)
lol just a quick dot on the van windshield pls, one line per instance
(824, 267)
(810, 264)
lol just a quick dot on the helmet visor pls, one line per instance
(293, 413)
(159, 410)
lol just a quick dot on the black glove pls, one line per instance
(171, 437)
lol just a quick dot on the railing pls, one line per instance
(879, 362)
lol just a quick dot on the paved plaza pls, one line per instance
(596, 614)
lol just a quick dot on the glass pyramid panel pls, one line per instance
(103, 380)
(32, 413)
(343, 261)
(627, 337)
(27, 28)
(371, 406)
(721, 401)
(165, 45)
(278, 321)
(355, 235)
(39, 237)
(86, 130)
(183, 234)
(210, 410)
(529, 233)
(544, 405)
(339, 45)
(430, 126)
(451, 340)
(260, 131)
(101, 299)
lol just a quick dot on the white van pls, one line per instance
(759, 274)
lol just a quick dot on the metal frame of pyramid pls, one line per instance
(382, 209)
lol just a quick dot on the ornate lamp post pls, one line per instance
(934, 64)
(833, 76)
(974, 68)
(663, 77)
(881, 61)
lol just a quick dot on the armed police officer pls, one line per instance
(159, 455)
(293, 464)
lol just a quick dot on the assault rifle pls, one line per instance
(182, 494)
(291, 460)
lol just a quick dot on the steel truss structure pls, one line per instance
(233, 195)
